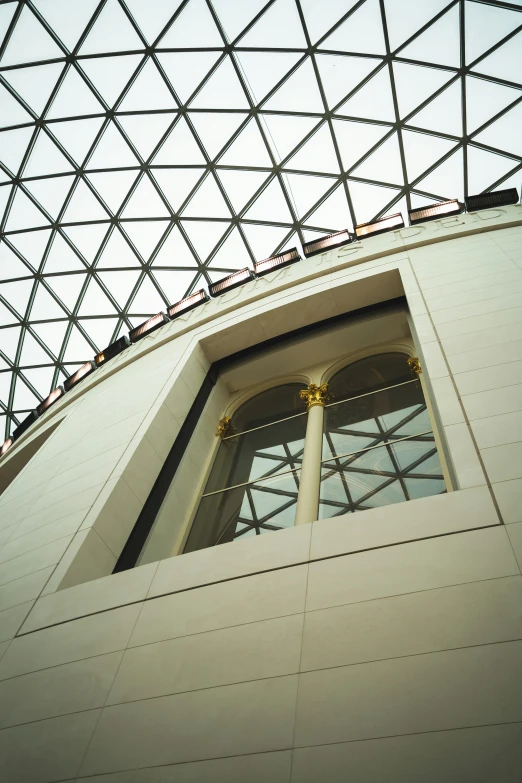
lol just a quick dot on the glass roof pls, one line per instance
(148, 147)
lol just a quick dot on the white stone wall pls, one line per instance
(382, 646)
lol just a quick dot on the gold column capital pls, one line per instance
(414, 365)
(315, 395)
(224, 427)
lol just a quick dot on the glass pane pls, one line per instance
(366, 421)
(260, 453)
(394, 473)
(375, 372)
(250, 510)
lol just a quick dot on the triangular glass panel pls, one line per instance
(74, 98)
(52, 334)
(87, 239)
(270, 206)
(321, 17)
(307, 190)
(10, 265)
(11, 112)
(421, 151)
(5, 192)
(6, 14)
(112, 151)
(173, 284)
(29, 42)
(263, 70)
(145, 130)
(10, 338)
(148, 92)
(299, 93)
(236, 16)
(113, 186)
(485, 26)
(5, 388)
(248, 149)
(117, 253)
(100, 330)
(111, 32)
(443, 114)
(279, 27)
(486, 168)
(45, 307)
(222, 91)
(384, 164)
(374, 101)
(67, 19)
(186, 70)
(62, 257)
(405, 17)
(32, 352)
(24, 399)
(415, 84)
(6, 317)
(83, 206)
(110, 75)
(232, 254)
(484, 99)
(45, 158)
(214, 130)
(194, 27)
(504, 133)
(24, 214)
(355, 139)
(446, 182)
(95, 301)
(34, 85)
(204, 235)
(180, 148)
(427, 47)
(120, 284)
(31, 245)
(152, 16)
(285, 132)
(421, 201)
(78, 349)
(175, 251)
(145, 235)
(76, 136)
(241, 185)
(50, 192)
(145, 202)
(318, 154)
(148, 299)
(13, 146)
(361, 32)
(264, 240)
(17, 294)
(340, 74)
(67, 288)
(333, 214)
(504, 63)
(176, 184)
(369, 200)
(208, 201)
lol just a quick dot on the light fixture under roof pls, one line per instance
(388, 223)
(498, 198)
(6, 446)
(232, 281)
(443, 209)
(187, 304)
(77, 376)
(112, 350)
(147, 327)
(276, 262)
(326, 243)
(50, 400)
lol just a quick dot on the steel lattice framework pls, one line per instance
(149, 147)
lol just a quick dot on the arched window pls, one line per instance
(254, 481)
(378, 443)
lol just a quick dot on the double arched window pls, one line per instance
(296, 454)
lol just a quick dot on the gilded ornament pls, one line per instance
(315, 395)
(224, 427)
(414, 365)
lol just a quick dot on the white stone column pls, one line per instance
(310, 480)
